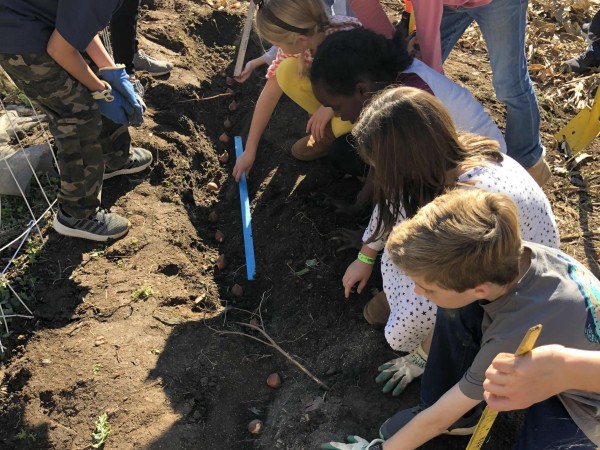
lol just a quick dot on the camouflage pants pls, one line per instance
(85, 140)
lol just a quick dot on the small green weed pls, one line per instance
(101, 431)
(96, 369)
(143, 293)
(22, 98)
(33, 248)
(96, 253)
(309, 264)
(154, 351)
(24, 435)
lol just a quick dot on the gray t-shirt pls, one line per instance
(562, 295)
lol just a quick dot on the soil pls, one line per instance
(138, 329)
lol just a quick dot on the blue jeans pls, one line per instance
(456, 341)
(502, 23)
(548, 426)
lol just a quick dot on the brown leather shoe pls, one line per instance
(540, 171)
(307, 149)
(377, 310)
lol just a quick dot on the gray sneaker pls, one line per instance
(588, 61)
(100, 226)
(155, 67)
(139, 159)
(138, 88)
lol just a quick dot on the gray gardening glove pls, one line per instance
(399, 372)
(354, 443)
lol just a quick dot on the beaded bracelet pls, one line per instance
(366, 259)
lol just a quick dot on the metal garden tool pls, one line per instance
(581, 130)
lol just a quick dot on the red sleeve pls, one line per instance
(428, 18)
(372, 16)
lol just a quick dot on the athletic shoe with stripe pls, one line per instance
(100, 226)
(155, 67)
(138, 160)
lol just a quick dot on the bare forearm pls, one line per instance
(581, 369)
(69, 58)
(431, 422)
(267, 101)
(97, 52)
(368, 251)
(424, 427)
(517, 382)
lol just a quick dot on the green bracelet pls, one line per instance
(364, 258)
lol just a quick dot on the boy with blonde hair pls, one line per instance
(464, 250)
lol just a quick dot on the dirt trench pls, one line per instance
(135, 329)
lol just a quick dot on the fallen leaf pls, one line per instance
(255, 411)
(313, 404)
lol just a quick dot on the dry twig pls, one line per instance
(271, 343)
(225, 94)
(585, 234)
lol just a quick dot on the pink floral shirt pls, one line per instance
(336, 23)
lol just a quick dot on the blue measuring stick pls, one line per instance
(246, 218)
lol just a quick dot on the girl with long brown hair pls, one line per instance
(410, 141)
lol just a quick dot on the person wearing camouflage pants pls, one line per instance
(88, 114)
(85, 141)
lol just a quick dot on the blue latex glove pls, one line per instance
(115, 107)
(119, 81)
(354, 443)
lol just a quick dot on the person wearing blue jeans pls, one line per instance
(440, 23)
(502, 23)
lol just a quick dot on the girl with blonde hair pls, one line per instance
(297, 28)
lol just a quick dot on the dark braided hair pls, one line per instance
(348, 57)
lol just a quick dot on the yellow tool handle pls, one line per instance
(487, 418)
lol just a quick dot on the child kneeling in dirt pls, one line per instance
(349, 68)
(464, 251)
(416, 154)
(40, 45)
(297, 28)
